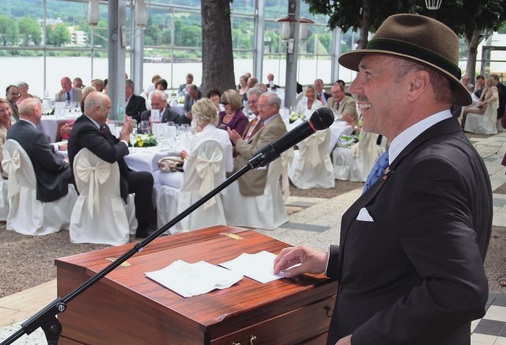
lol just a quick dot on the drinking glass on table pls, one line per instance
(144, 127)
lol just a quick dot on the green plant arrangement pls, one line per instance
(294, 117)
(145, 140)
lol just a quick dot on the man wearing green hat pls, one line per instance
(409, 264)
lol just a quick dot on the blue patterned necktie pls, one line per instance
(377, 170)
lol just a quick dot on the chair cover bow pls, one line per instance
(206, 169)
(313, 142)
(11, 163)
(93, 176)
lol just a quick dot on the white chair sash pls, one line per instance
(313, 142)
(11, 164)
(94, 176)
(206, 169)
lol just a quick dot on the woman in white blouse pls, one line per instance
(204, 113)
(308, 104)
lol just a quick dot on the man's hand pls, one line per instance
(126, 130)
(310, 260)
(233, 135)
(344, 341)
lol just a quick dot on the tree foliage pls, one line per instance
(8, 31)
(29, 31)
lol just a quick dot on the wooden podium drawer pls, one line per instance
(294, 327)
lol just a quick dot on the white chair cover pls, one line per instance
(311, 166)
(4, 200)
(27, 215)
(483, 124)
(266, 211)
(203, 172)
(360, 158)
(286, 161)
(99, 215)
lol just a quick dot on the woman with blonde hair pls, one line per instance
(308, 104)
(232, 117)
(489, 98)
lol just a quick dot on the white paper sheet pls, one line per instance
(257, 266)
(194, 279)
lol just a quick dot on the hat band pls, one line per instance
(420, 53)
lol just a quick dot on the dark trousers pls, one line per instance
(141, 183)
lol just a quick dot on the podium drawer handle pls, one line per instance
(329, 311)
(251, 340)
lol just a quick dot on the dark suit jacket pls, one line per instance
(168, 115)
(14, 111)
(52, 173)
(103, 144)
(253, 182)
(415, 274)
(136, 105)
(501, 90)
(187, 106)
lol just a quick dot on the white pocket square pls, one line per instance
(364, 215)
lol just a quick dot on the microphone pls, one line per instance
(322, 118)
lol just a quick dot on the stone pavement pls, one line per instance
(316, 224)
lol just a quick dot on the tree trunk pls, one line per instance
(472, 51)
(217, 53)
(366, 25)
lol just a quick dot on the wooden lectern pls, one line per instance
(126, 307)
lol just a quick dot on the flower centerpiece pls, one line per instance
(294, 117)
(145, 140)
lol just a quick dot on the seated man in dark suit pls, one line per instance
(159, 102)
(182, 87)
(52, 173)
(134, 105)
(190, 99)
(271, 128)
(90, 131)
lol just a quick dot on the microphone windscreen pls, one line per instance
(322, 118)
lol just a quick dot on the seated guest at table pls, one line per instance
(214, 95)
(134, 105)
(308, 105)
(479, 85)
(190, 99)
(183, 88)
(206, 118)
(489, 95)
(5, 123)
(98, 84)
(90, 131)
(321, 95)
(243, 86)
(273, 127)
(12, 95)
(255, 124)
(23, 92)
(341, 103)
(152, 87)
(52, 173)
(159, 102)
(161, 85)
(232, 117)
(67, 92)
(78, 83)
(65, 127)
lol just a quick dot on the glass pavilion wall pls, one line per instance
(65, 45)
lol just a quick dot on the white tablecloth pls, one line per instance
(49, 123)
(146, 159)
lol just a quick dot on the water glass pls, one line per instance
(144, 127)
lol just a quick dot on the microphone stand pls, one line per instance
(46, 317)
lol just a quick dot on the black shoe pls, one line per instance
(144, 232)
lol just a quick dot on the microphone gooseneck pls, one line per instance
(322, 118)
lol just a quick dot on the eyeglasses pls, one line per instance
(264, 105)
(224, 103)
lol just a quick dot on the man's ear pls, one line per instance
(418, 84)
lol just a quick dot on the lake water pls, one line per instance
(31, 71)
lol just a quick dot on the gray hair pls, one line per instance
(255, 90)
(163, 96)
(273, 99)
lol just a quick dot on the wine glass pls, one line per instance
(144, 127)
